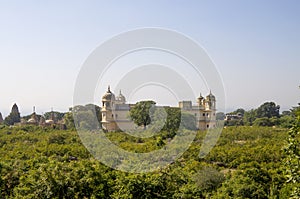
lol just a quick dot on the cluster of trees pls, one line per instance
(247, 162)
(267, 114)
(168, 118)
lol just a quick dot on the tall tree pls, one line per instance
(1, 118)
(292, 161)
(268, 109)
(141, 113)
(14, 116)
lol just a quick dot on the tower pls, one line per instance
(108, 105)
(207, 111)
(210, 102)
(201, 101)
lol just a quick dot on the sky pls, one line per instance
(255, 46)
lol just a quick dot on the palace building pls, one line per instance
(115, 111)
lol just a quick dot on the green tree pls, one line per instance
(141, 113)
(292, 162)
(85, 117)
(249, 117)
(14, 116)
(57, 115)
(188, 121)
(239, 111)
(220, 116)
(268, 109)
(286, 113)
(264, 121)
(69, 120)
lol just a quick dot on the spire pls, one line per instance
(33, 109)
(108, 88)
(120, 92)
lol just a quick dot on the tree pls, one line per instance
(220, 116)
(86, 117)
(141, 113)
(69, 120)
(296, 110)
(14, 116)
(57, 115)
(286, 113)
(249, 117)
(264, 121)
(239, 111)
(188, 121)
(268, 109)
(292, 161)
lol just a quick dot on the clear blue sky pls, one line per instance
(255, 45)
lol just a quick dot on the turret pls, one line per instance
(210, 102)
(108, 99)
(200, 101)
(121, 98)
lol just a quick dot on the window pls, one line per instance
(207, 126)
(203, 114)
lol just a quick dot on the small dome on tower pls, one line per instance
(121, 97)
(108, 96)
(210, 97)
(200, 97)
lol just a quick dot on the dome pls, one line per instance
(108, 96)
(121, 97)
(31, 120)
(49, 122)
(200, 97)
(210, 97)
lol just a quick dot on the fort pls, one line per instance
(115, 111)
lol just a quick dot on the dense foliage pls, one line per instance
(247, 162)
(141, 113)
(266, 114)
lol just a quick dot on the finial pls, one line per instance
(33, 109)
(108, 88)
(120, 92)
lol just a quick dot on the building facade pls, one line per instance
(115, 111)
